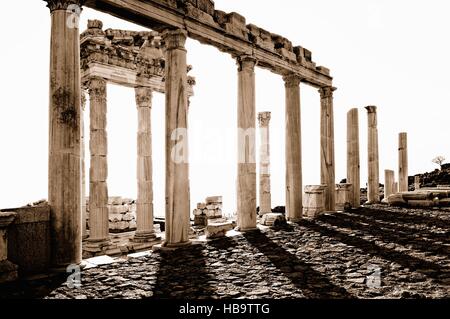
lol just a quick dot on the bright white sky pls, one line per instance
(393, 54)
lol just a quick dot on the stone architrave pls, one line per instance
(403, 162)
(294, 188)
(265, 202)
(327, 167)
(373, 185)
(64, 174)
(177, 156)
(246, 177)
(353, 159)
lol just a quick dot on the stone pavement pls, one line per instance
(372, 252)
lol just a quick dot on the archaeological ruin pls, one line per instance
(80, 219)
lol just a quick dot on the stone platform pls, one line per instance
(371, 252)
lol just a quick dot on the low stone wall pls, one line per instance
(29, 239)
(422, 198)
(122, 214)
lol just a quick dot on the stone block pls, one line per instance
(218, 230)
(115, 200)
(200, 220)
(201, 206)
(118, 209)
(133, 225)
(273, 219)
(214, 200)
(129, 217)
(343, 196)
(314, 200)
(115, 217)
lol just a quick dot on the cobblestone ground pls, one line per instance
(375, 252)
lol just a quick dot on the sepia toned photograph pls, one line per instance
(222, 155)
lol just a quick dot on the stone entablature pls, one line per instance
(128, 58)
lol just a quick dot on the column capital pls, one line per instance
(174, 39)
(371, 109)
(327, 92)
(292, 80)
(246, 63)
(97, 86)
(83, 100)
(143, 96)
(65, 5)
(264, 119)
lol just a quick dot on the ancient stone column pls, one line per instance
(294, 188)
(353, 162)
(98, 187)
(265, 201)
(83, 169)
(144, 206)
(246, 178)
(373, 193)
(177, 156)
(416, 182)
(403, 162)
(64, 182)
(395, 187)
(389, 180)
(327, 167)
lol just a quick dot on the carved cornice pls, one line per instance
(292, 80)
(143, 96)
(327, 92)
(174, 39)
(63, 4)
(246, 63)
(264, 119)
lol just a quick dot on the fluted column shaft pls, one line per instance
(64, 174)
(265, 199)
(246, 178)
(373, 185)
(389, 181)
(177, 156)
(294, 188)
(353, 160)
(327, 167)
(403, 162)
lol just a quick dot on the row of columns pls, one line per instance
(65, 145)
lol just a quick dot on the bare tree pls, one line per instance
(439, 161)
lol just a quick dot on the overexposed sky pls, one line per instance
(393, 54)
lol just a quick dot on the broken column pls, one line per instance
(64, 182)
(177, 156)
(314, 203)
(389, 180)
(353, 161)
(373, 186)
(144, 206)
(8, 270)
(294, 191)
(343, 196)
(403, 162)
(327, 167)
(246, 179)
(265, 202)
(98, 187)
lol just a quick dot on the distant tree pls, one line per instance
(439, 161)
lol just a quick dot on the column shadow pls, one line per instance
(313, 284)
(387, 233)
(429, 269)
(183, 274)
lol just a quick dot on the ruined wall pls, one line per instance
(122, 214)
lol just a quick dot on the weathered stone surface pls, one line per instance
(373, 194)
(314, 200)
(273, 219)
(343, 196)
(217, 230)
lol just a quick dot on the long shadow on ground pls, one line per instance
(312, 283)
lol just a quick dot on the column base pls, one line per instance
(8, 271)
(171, 247)
(97, 246)
(145, 237)
(246, 230)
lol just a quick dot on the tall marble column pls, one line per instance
(327, 167)
(373, 186)
(64, 174)
(177, 156)
(246, 178)
(353, 161)
(144, 211)
(83, 168)
(98, 187)
(265, 199)
(403, 162)
(389, 180)
(294, 186)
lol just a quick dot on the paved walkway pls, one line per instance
(375, 252)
